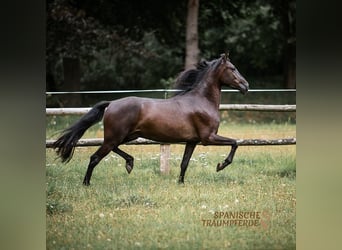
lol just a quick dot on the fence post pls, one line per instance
(165, 158)
(165, 154)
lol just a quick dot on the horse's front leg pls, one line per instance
(189, 149)
(228, 160)
(215, 139)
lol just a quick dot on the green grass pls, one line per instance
(149, 210)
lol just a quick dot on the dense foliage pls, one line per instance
(141, 44)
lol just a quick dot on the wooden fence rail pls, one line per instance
(236, 107)
(142, 141)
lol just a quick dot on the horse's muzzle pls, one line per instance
(244, 87)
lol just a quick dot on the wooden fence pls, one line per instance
(236, 107)
(165, 149)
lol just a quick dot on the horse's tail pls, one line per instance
(65, 144)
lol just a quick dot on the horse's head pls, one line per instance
(229, 75)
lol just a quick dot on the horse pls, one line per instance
(190, 116)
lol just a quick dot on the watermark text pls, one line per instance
(239, 219)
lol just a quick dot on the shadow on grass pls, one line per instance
(130, 201)
(286, 171)
(57, 207)
(209, 176)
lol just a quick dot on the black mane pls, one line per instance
(189, 79)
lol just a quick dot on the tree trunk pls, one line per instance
(72, 79)
(290, 66)
(192, 50)
(289, 43)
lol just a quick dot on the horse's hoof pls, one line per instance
(219, 167)
(223, 165)
(129, 169)
(181, 180)
(86, 183)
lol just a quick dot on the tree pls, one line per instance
(72, 78)
(192, 50)
(142, 44)
(286, 10)
(119, 44)
(71, 35)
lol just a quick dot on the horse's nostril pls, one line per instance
(246, 85)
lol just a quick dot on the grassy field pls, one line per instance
(148, 210)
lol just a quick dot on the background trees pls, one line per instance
(191, 43)
(112, 44)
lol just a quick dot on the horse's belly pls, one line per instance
(168, 131)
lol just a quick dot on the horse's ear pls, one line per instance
(225, 57)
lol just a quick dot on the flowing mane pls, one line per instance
(189, 79)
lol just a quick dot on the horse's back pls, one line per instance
(126, 102)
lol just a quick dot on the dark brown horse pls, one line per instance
(191, 116)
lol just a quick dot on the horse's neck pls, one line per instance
(211, 90)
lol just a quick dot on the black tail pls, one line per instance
(66, 143)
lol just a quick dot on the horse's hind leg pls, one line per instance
(129, 159)
(94, 160)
